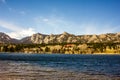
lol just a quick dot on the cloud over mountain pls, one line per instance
(17, 32)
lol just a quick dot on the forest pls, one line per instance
(63, 48)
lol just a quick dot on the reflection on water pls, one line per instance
(54, 67)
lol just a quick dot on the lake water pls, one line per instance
(18, 66)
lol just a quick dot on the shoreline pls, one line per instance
(86, 48)
(61, 53)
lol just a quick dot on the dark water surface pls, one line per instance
(34, 63)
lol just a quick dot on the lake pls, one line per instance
(18, 66)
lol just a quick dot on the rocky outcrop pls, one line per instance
(70, 38)
(26, 40)
(65, 37)
(4, 38)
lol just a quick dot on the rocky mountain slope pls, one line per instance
(70, 38)
(62, 38)
(4, 38)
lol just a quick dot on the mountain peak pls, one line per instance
(65, 33)
(65, 37)
(4, 38)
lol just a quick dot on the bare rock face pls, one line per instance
(65, 37)
(4, 38)
(93, 39)
(26, 40)
(70, 38)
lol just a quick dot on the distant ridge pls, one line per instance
(65, 37)
(4, 38)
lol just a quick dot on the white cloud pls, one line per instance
(16, 31)
(9, 26)
(22, 33)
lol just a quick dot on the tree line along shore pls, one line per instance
(63, 48)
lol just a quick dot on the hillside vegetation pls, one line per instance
(64, 43)
(63, 48)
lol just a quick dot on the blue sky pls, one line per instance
(21, 18)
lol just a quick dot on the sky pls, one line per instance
(21, 18)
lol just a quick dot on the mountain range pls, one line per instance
(65, 37)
